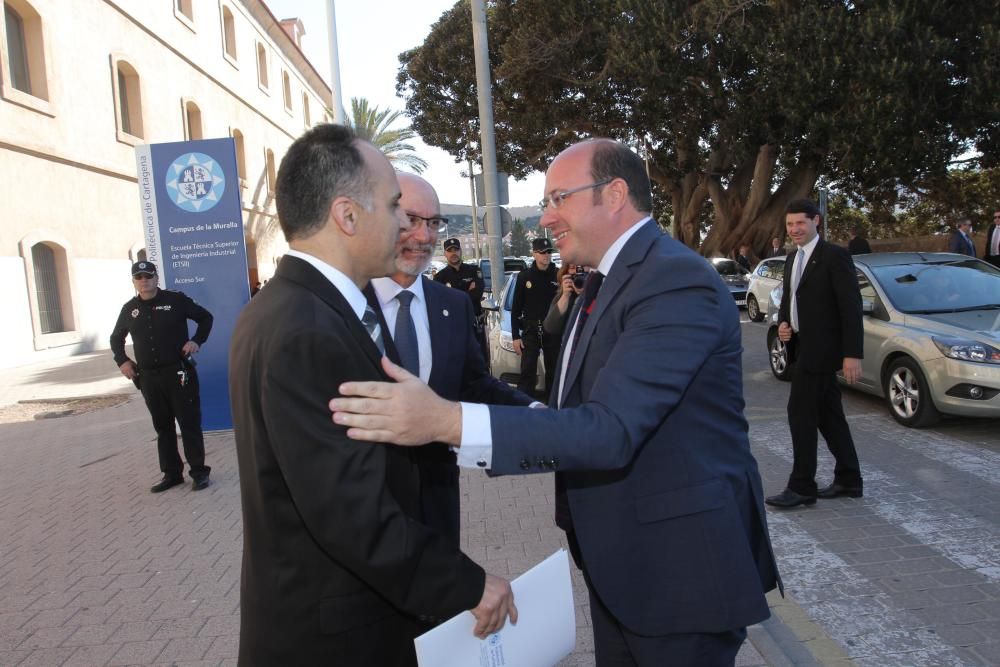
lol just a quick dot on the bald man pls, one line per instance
(445, 356)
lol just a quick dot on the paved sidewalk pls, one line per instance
(95, 570)
(91, 374)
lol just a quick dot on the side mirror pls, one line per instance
(867, 306)
(489, 303)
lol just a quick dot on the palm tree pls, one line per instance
(372, 124)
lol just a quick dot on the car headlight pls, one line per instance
(967, 350)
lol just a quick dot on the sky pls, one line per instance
(371, 34)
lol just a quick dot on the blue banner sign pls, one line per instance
(193, 226)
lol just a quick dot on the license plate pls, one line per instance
(741, 302)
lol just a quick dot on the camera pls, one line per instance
(579, 278)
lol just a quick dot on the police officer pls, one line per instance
(164, 370)
(468, 279)
(536, 289)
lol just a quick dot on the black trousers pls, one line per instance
(535, 342)
(814, 405)
(167, 400)
(617, 646)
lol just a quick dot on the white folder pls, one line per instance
(545, 632)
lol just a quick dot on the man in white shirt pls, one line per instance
(448, 357)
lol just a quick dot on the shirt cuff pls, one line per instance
(477, 438)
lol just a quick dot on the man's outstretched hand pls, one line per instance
(404, 412)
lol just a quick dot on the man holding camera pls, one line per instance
(164, 372)
(535, 290)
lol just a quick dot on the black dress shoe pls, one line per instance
(199, 483)
(789, 498)
(835, 490)
(166, 483)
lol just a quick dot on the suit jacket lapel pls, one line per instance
(390, 346)
(621, 272)
(304, 274)
(441, 331)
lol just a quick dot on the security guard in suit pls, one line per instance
(468, 279)
(536, 290)
(164, 372)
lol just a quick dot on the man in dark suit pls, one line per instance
(655, 483)
(820, 320)
(777, 250)
(858, 245)
(961, 239)
(992, 254)
(337, 567)
(448, 356)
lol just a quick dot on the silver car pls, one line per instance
(765, 277)
(735, 277)
(504, 362)
(931, 335)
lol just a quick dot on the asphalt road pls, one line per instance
(909, 575)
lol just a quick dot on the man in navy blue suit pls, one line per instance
(655, 482)
(961, 241)
(448, 356)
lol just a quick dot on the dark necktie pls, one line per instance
(587, 299)
(370, 320)
(405, 335)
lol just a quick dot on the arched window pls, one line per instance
(47, 296)
(241, 155)
(261, 66)
(228, 33)
(128, 99)
(24, 58)
(192, 121)
(272, 175)
(286, 88)
(306, 121)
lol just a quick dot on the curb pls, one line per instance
(789, 638)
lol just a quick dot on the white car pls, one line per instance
(768, 275)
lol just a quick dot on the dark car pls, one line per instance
(737, 278)
(510, 265)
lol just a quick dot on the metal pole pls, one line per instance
(475, 211)
(487, 142)
(336, 101)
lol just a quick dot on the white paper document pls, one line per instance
(545, 632)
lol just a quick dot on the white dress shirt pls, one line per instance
(477, 438)
(807, 251)
(386, 290)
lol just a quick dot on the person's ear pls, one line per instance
(343, 213)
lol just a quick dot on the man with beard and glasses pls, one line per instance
(435, 340)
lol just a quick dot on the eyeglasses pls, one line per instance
(435, 224)
(143, 276)
(556, 199)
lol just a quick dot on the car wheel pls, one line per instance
(753, 309)
(908, 396)
(777, 354)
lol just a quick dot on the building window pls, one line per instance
(286, 89)
(24, 56)
(192, 122)
(261, 66)
(184, 11)
(47, 289)
(241, 156)
(229, 34)
(272, 175)
(128, 100)
(306, 121)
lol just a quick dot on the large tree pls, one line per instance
(739, 105)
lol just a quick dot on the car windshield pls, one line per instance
(940, 287)
(728, 267)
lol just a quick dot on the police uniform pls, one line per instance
(169, 383)
(461, 279)
(535, 291)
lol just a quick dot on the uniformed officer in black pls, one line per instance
(468, 279)
(535, 291)
(163, 370)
